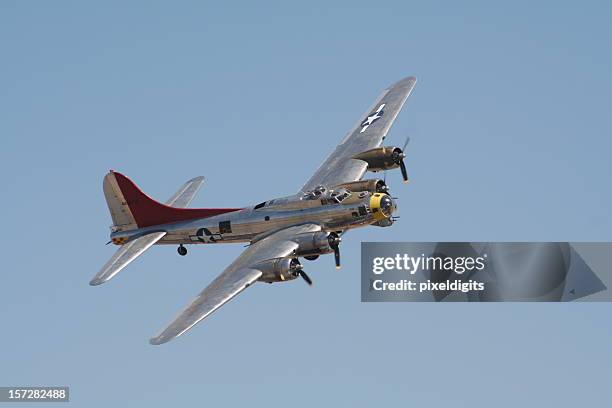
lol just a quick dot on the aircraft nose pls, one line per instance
(387, 206)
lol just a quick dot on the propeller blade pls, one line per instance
(334, 243)
(337, 257)
(406, 143)
(306, 278)
(404, 172)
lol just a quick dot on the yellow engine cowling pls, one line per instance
(381, 206)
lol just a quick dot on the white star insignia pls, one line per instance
(373, 117)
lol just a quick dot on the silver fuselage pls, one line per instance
(253, 222)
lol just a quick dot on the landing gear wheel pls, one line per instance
(182, 250)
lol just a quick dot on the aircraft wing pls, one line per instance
(234, 279)
(130, 251)
(368, 133)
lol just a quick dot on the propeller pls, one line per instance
(305, 277)
(334, 243)
(398, 158)
(406, 143)
(298, 270)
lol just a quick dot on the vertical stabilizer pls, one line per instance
(131, 208)
(122, 216)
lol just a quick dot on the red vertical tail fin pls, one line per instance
(130, 207)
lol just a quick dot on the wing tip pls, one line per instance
(407, 81)
(97, 281)
(156, 341)
(161, 339)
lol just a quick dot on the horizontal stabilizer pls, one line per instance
(186, 193)
(123, 216)
(124, 255)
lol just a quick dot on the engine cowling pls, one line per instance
(382, 207)
(372, 186)
(317, 243)
(381, 158)
(279, 269)
(313, 243)
(385, 158)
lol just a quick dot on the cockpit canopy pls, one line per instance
(317, 197)
(327, 196)
(314, 193)
(340, 194)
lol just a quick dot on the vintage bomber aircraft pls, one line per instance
(279, 231)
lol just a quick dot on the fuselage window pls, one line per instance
(225, 227)
(362, 210)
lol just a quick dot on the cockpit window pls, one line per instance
(315, 193)
(260, 205)
(340, 195)
(327, 196)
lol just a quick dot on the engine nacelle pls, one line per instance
(279, 269)
(382, 207)
(381, 158)
(313, 243)
(372, 186)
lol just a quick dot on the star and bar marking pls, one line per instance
(372, 117)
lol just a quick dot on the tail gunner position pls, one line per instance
(279, 231)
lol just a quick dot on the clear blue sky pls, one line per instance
(511, 140)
